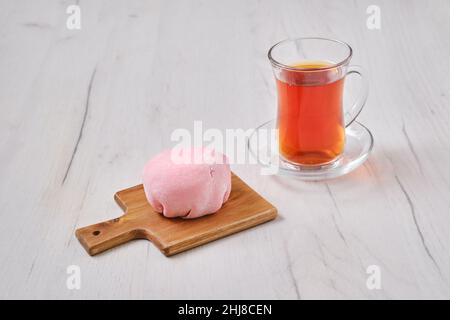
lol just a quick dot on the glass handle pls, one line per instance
(352, 113)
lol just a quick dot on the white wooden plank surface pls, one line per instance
(82, 110)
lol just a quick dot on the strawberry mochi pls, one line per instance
(187, 183)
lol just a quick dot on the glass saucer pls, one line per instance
(263, 146)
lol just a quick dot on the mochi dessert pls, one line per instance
(187, 182)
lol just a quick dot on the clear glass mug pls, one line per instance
(311, 119)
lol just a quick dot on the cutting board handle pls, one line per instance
(102, 236)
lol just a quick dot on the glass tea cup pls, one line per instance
(311, 118)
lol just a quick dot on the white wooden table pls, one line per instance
(82, 111)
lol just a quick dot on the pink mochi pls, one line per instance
(195, 186)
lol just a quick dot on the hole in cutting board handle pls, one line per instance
(96, 233)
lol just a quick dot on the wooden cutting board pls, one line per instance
(244, 209)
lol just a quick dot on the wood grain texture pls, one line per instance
(244, 209)
(83, 110)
